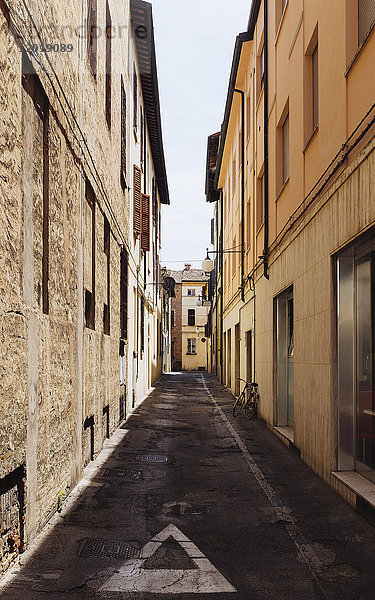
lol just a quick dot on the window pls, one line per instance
(284, 332)
(262, 67)
(234, 174)
(106, 310)
(92, 35)
(89, 256)
(108, 66)
(135, 99)
(366, 19)
(137, 200)
(248, 116)
(311, 88)
(124, 294)
(315, 88)
(192, 346)
(280, 6)
(260, 200)
(191, 316)
(33, 87)
(123, 133)
(172, 319)
(191, 292)
(142, 135)
(145, 233)
(285, 150)
(142, 325)
(260, 70)
(248, 224)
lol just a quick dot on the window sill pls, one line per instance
(358, 484)
(286, 432)
(282, 188)
(310, 139)
(191, 353)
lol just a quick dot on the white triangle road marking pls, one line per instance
(206, 579)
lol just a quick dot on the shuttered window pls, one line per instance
(123, 132)
(124, 294)
(137, 200)
(145, 233)
(142, 325)
(107, 252)
(135, 98)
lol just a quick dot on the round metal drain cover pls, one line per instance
(153, 458)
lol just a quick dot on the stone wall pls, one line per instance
(57, 375)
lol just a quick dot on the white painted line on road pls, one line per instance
(282, 512)
(205, 579)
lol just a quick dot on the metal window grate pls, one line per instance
(366, 18)
(106, 549)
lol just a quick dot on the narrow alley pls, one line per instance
(186, 501)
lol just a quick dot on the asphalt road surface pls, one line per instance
(187, 503)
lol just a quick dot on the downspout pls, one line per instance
(242, 193)
(266, 186)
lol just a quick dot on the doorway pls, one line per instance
(229, 358)
(356, 366)
(237, 350)
(249, 357)
(285, 358)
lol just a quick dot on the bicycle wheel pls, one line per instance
(238, 405)
(251, 407)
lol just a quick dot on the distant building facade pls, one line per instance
(189, 319)
(291, 185)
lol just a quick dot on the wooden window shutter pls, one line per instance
(137, 200)
(124, 282)
(145, 233)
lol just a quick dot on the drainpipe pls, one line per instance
(242, 193)
(266, 187)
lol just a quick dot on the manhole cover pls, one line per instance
(153, 458)
(126, 473)
(107, 549)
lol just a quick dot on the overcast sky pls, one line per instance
(194, 46)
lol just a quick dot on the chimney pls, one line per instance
(187, 267)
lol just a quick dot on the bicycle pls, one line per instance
(249, 405)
